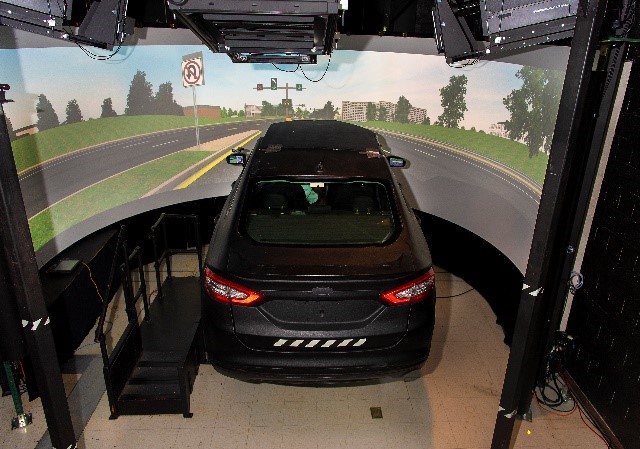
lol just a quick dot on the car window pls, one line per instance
(321, 212)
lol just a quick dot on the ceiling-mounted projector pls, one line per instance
(467, 29)
(105, 24)
(293, 32)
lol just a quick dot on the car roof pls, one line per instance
(319, 134)
(323, 148)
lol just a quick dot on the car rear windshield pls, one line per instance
(293, 212)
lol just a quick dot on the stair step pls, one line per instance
(159, 358)
(150, 374)
(151, 391)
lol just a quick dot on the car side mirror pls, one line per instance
(237, 159)
(396, 161)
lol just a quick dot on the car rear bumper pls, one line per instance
(233, 358)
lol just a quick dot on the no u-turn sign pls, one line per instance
(192, 70)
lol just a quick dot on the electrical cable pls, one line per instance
(94, 282)
(552, 391)
(319, 79)
(286, 71)
(96, 342)
(455, 296)
(83, 48)
(596, 431)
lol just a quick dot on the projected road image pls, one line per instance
(60, 178)
(111, 139)
(486, 197)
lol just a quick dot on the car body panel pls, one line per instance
(321, 317)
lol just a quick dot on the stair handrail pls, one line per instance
(100, 335)
(167, 252)
(132, 298)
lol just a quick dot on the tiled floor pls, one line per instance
(451, 403)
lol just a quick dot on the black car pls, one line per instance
(317, 269)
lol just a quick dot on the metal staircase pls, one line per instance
(153, 366)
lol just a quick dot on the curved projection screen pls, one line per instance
(96, 141)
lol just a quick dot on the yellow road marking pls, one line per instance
(193, 178)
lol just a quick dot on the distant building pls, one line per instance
(252, 110)
(499, 129)
(356, 111)
(204, 111)
(390, 108)
(417, 115)
(26, 130)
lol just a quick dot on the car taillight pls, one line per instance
(411, 292)
(226, 291)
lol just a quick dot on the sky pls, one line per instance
(65, 73)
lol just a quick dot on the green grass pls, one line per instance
(509, 152)
(42, 146)
(112, 192)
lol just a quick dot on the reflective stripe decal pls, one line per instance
(328, 343)
(360, 342)
(347, 342)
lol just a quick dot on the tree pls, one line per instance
(47, 117)
(453, 102)
(140, 97)
(107, 108)
(163, 102)
(12, 133)
(403, 107)
(372, 112)
(382, 114)
(328, 112)
(74, 115)
(241, 113)
(426, 121)
(268, 109)
(533, 108)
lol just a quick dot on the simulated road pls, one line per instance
(483, 196)
(487, 198)
(59, 178)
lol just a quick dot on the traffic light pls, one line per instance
(260, 87)
(287, 102)
(299, 87)
(274, 83)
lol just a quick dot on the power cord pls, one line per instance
(455, 296)
(553, 393)
(325, 72)
(94, 282)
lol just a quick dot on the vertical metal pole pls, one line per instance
(24, 280)
(195, 115)
(547, 249)
(286, 103)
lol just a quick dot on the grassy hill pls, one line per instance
(42, 146)
(513, 154)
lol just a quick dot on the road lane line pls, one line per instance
(204, 170)
(100, 146)
(470, 154)
(49, 206)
